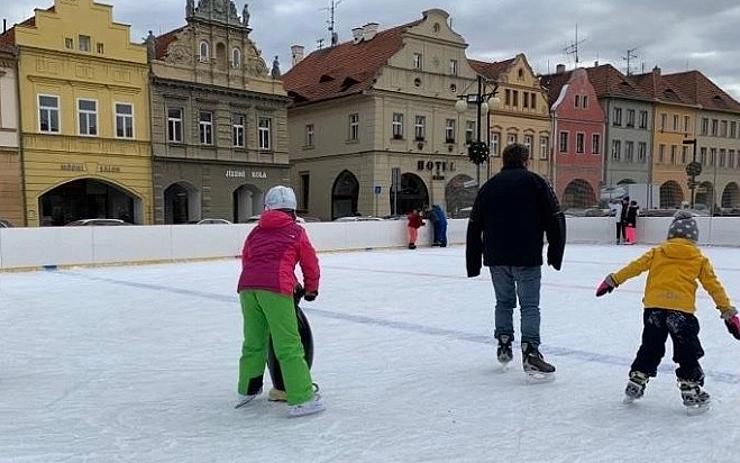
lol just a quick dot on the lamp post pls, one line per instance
(693, 169)
(485, 101)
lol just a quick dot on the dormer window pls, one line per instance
(236, 58)
(521, 74)
(418, 61)
(205, 52)
(84, 42)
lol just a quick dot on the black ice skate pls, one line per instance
(504, 352)
(695, 399)
(635, 386)
(535, 366)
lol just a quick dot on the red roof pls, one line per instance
(8, 37)
(163, 42)
(491, 70)
(345, 69)
(554, 83)
(699, 89)
(659, 88)
(610, 82)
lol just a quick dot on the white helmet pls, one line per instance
(280, 197)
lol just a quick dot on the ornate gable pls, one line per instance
(222, 11)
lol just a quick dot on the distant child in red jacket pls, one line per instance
(266, 285)
(415, 223)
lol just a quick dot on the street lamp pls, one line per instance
(485, 102)
(693, 169)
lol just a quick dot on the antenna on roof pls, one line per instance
(332, 9)
(320, 42)
(630, 56)
(574, 48)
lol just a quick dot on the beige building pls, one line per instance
(11, 180)
(522, 115)
(380, 103)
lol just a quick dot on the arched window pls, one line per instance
(205, 52)
(236, 58)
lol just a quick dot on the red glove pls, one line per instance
(732, 322)
(606, 286)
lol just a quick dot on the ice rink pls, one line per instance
(140, 364)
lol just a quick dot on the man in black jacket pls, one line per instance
(512, 212)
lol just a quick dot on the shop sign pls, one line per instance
(236, 174)
(259, 174)
(109, 169)
(71, 167)
(437, 166)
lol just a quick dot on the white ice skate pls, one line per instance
(245, 399)
(635, 387)
(696, 400)
(315, 405)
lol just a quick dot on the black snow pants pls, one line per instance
(684, 331)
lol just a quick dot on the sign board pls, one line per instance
(378, 189)
(470, 184)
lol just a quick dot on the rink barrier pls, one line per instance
(63, 247)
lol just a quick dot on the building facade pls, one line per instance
(11, 180)
(522, 116)
(85, 118)
(219, 119)
(383, 103)
(578, 150)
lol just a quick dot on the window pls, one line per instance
(643, 119)
(87, 116)
(723, 129)
(205, 124)
(642, 152)
(236, 58)
(238, 123)
(354, 127)
(515, 98)
(100, 48)
(713, 157)
(420, 128)
(544, 147)
(508, 97)
(663, 121)
(511, 139)
(675, 122)
(496, 144)
(703, 156)
(305, 190)
(616, 150)
(48, 114)
(418, 61)
(69, 43)
(84, 42)
(686, 124)
(525, 100)
(205, 52)
(578, 101)
(630, 118)
(617, 117)
(722, 157)
(733, 129)
(580, 143)
(731, 160)
(661, 154)
(705, 126)
(629, 151)
(174, 125)
(596, 144)
(533, 100)
(563, 142)
(450, 131)
(684, 155)
(715, 127)
(310, 135)
(585, 101)
(469, 132)
(264, 133)
(453, 67)
(124, 120)
(529, 142)
(397, 126)
(673, 154)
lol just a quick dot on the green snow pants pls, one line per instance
(271, 314)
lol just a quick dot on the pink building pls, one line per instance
(578, 133)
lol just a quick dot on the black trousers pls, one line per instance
(621, 231)
(683, 329)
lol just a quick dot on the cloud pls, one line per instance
(672, 34)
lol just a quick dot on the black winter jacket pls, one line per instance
(511, 213)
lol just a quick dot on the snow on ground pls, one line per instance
(139, 364)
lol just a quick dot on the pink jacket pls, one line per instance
(271, 253)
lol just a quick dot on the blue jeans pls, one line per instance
(524, 283)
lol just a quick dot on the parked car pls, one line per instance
(97, 222)
(359, 219)
(213, 222)
(4, 223)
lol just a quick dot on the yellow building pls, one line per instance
(523, 115)
(85, 116)
(674, 116)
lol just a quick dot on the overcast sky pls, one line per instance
(673, 34)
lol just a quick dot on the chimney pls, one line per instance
(560, 69)
(5, 25)
(596, 63)
(656, 71)
(369, 31)
(357, 34)
(297, 52)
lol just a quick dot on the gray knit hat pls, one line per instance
(684, 226)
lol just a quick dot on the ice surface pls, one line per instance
(139, 364)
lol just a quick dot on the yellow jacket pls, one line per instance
(673, 268)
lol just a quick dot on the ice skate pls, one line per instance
(535, 366)
(635, 387)
(245, 399)
(315, 405)
(696, 400)
(276, 395)
(504, 352)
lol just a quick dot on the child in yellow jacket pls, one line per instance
(670, 302)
